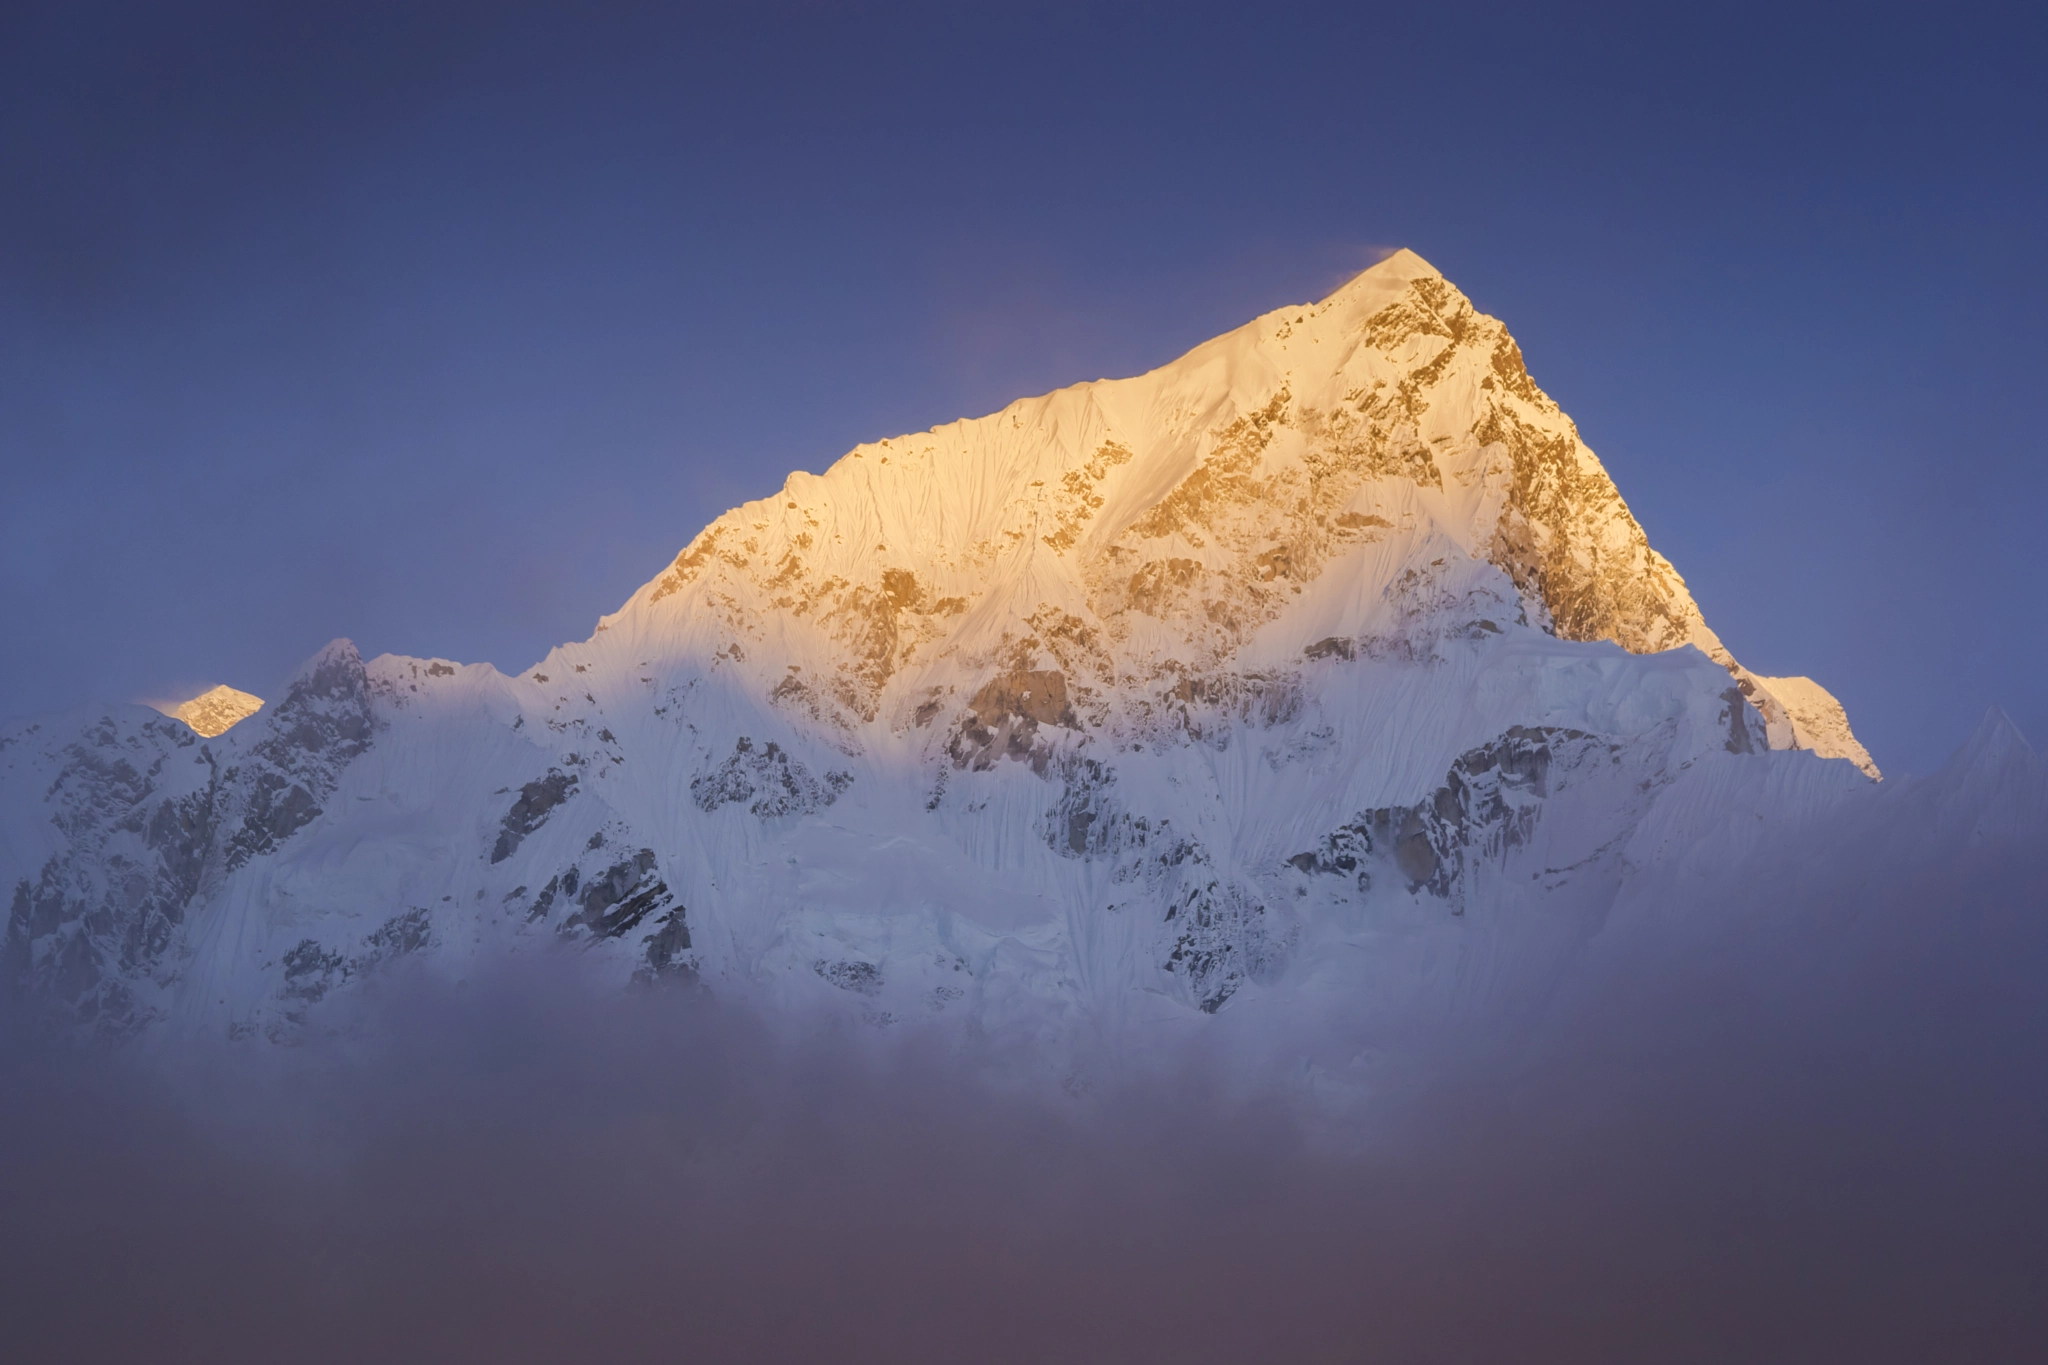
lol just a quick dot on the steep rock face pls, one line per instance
(133, 800)
(1818, 721)
(1319, 660)
(322, 724)
(149, 818)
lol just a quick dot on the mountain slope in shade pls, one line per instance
(1323, 663)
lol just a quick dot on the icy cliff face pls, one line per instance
(1326, 659)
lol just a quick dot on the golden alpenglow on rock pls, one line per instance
(1313, 484)
(1818, 721)
(218, 711)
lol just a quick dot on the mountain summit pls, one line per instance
(1304, 664)
(1258, 498)
(216, 710)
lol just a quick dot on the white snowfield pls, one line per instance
(1323, 663)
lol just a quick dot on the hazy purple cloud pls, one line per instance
(1794, 1113)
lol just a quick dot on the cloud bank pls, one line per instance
(1789, 1112)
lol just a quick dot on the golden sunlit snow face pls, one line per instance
(217, 711)
(1216, 515)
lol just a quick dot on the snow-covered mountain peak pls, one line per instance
(1996, 745)
(1310, 477)
(1305, 663)
(216, 710)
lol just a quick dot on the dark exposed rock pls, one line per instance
(310, 971)
(324, 723)
(274, 808)
(399, 935)
(862, 978)
(1215, 932)
(1003, 719)
(615, 901)
(770, 779)
(1218, 937)
(536, 801)
(1490, 801)
(100, 920)
(1088, 821)
(666, 945)
(545, 901)
(1746, 734)
(1208, 707)
(313, 970)
(1221, 932)
(1035, 695)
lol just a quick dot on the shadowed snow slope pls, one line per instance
(1325, 661)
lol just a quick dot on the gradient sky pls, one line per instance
(445, 327)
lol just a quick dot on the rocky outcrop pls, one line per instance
(769, 780)
(530, 811)
(615, 901)
(151, 818)
(324, 723)
(1003, 719)
(1489, 803)
(92, 932)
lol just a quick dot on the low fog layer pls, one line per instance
(1792, 1111)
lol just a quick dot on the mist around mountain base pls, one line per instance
(1790, 1111)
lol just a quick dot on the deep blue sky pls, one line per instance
(445, 327)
